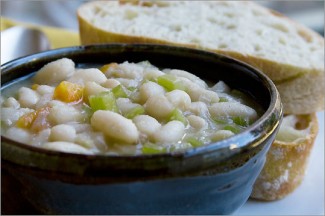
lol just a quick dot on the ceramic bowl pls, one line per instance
(213, 179)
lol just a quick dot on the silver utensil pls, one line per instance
(20, 41)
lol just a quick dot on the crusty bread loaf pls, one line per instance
(290, 54)
(287, 158)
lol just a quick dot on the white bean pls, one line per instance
(158, 106)
(149, 89)
(179, 99)
(110, 83)
(125, 105)
(11, 102)
(115, 126)
(232, 109)
(62, 132)
(18, 134)
(27, 97)
(198, 93)
(192, 77)
(10, 115)
(221, 134)
(199, 108)
(55, 72)
(208, 96)
(152, 73)
(92, 88)
(126, 70)
(197, 122)
(44, 100)
(41, 137)
(81, 76)
(128, 82)
(61, 114)
(45, 89)
(146, 124)
(66, 147)
(173, 131)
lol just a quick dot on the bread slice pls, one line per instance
(290, 54)
(287, 158)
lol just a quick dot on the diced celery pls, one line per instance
(87, 112)
(221, 120)
(132, 88)
(138, 110)
(170, 82)
(119, 92)
(241, 121)
(177, 114)
(223, 99)
(150, 148)
(195, 142)
(233, 128)
(103, 101)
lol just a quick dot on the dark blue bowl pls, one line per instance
(213, 179)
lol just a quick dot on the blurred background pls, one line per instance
(62, 13)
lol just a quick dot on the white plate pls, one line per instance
(308, 198)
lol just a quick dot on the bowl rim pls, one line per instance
(275, 105)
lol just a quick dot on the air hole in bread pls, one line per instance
(313, 49)
(302, 122)
(176, 28)
(257, 47)
(230, 15)
(222, 46)
(282, 41)
(212, 20)
(257, 12)
(307, 37)
(280, 27)
(195, 40)
(259, 32)
(231, 26)
(130, 14)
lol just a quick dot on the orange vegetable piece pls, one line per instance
(35, 86)
(105, 67)
(40, 122)
(36, 121)
(26, 120)
(68, 92)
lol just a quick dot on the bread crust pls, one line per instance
(292, 81)
(286, 164)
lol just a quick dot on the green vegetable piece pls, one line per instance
(138, 110)
(150, 148)
(233, 128)
(241, 121)
(177, 115)
(170, 82)
(87, 112)
(132, 89)
(103, 101)
(119, 92)
(195, 142)
(221, 120)
(223, 99)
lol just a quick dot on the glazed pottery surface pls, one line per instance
(213, 179)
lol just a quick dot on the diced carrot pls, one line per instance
(40, 122)
(68, 92)
(35, 86)
(105, 67)
(36, 121)
(26, 120)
